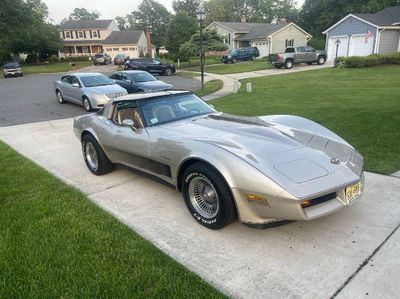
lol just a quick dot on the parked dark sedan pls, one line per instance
(139, 81)
(120, 59)
(12, 69)
(150, 65)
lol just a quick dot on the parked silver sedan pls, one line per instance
(91, 90)
(262, 169)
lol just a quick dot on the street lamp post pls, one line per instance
(337, 42)
(200, 17)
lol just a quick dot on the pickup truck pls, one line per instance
(295, 55)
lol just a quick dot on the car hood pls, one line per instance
(287, 155)
(153, 85)
(107, 89)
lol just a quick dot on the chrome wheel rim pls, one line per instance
(86, 104)
(168, 72)
(91, 156)
(203, 197)
(321, 60)
(59, 97)
(289, 64)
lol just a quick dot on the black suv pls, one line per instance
(241, 54)
(150, 65)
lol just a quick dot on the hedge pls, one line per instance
(368, 61)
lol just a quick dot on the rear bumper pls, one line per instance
(276, 209)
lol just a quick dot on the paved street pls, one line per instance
(353, 253)
(32, 99)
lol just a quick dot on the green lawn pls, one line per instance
(240, 67)
(53, 67)
(194, 62)
(361, 105)
(209, 87)
(55, 243)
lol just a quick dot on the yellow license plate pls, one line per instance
(352, 192)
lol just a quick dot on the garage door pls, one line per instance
(358, 46)
(342, 51)
(263, 47)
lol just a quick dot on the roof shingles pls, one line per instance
(386, 17)
(123, 37)
(86, 24)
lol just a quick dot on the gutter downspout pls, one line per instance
(378, 40)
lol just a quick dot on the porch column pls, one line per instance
(75, 51)
(90, 50)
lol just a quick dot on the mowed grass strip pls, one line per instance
(55, 243)
(53, 67)
(361, 105)
(209, 87)
(240, 67)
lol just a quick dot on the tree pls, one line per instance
(180, 29)
(84, 14)
(212, 41)
(187, 6)
(373, 6)
(151, 16)
(122, 23)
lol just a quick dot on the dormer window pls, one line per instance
(80, 33)
(94, 33)
(67, 34)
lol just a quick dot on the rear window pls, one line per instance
(289, 50)
(98, 55)
(119, 56)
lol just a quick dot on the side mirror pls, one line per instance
(75, 84)
(129, 123)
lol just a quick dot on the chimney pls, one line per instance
(283, 21)
(243, 19)
(148, 38)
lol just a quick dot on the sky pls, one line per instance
(60, 9)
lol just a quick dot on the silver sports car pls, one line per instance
(91, 90)
(261, 169)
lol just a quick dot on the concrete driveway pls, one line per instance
(354, 253)
(32, 98)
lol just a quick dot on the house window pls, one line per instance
(115, 49)
(289, 43)
(67, 34)
(132, 49)
(94, 33)
(80, 33)
(108, 49)
(125, 49)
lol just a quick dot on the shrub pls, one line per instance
(53, 59)
(31, 58)
(368, 61)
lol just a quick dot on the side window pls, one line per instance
(125, 77)
(116, 76)
(75, 80)
(66, 79)
(156, 61)
(300, 49)
(127, 110)
(309, 49)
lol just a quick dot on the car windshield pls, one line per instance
(142, 77)
(96, 80)
(172, 108)
(232, 51)
(98, 55)
(11, 65)
(119, 56)
(289, 50)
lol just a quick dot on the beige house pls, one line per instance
(132, 43)
(268, 38)
(85, 37)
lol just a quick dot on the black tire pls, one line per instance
(104, 165)
(86, 104)
(289, 64)
(321, 60)
(234, 60)
(60, 97)
(225, 212)
(168, 72)
(5, 76)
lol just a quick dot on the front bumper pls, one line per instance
(14, 73)
(276, 209)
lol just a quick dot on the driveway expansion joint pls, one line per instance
(364, 263)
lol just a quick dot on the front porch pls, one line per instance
(80, 50)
